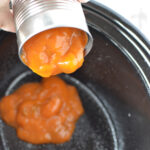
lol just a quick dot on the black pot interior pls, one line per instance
(113, 93)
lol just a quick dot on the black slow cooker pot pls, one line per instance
(114, 84)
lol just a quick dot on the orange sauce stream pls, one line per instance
(44, 112)
(59, 50)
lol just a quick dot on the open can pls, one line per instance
(34, 16)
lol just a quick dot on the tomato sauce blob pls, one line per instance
(43, 112)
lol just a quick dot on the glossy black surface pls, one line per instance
(117, 73)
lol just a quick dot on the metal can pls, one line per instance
(34, 16)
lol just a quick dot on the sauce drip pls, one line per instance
(59, 50)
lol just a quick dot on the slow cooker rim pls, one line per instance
(108, 20)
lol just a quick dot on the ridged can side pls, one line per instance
(34, 16)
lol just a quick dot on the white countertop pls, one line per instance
(136, 11)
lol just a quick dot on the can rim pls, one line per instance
(87, 49)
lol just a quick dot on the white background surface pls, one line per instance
(136, 11)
